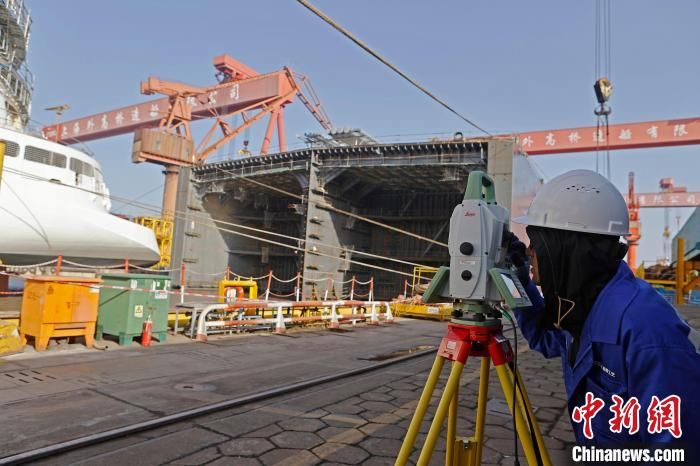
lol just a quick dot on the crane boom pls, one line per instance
(661, 133)
(222, 99)
(681, 199)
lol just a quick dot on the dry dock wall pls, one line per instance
(410, 186)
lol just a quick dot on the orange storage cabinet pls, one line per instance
(58, 307)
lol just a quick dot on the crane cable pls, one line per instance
(184, 216)
(327, 206)
(376, 55)
(603, 64)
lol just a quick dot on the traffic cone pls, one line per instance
(388, 316)
(280, 328)
(335, 324)
(373, 320)
(146, 332)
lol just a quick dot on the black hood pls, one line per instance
(575, 267)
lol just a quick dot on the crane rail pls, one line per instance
(151, 424)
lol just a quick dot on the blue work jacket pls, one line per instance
(633, 344)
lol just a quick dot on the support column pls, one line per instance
(171, 173)
(280, 131)
(517, 182)
(196, 241)
(680, 270)
(321, 227)
(268, 132)
(499, 165)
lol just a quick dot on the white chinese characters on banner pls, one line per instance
(234, 92)
(679, 130)
(527, 142)
(667, 199)
(653, 132)
(135, 114)
(549, 140)
(574, 137)
(625, 135)
(598, 136)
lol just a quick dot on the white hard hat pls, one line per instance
(579, 200)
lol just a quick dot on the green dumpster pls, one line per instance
(122, 310)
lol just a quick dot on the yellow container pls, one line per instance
(58, 307)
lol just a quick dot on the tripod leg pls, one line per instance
(436, 426)
(481, 407)
(422, 407)
(451, 429)
(504, 376)
(529, 413)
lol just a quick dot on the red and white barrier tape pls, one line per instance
(284, 281)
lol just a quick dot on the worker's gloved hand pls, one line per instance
(516, 255)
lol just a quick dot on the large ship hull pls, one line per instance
(48, 211)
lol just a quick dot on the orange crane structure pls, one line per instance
(670, 196)
(643, 135)
(162, 132)
(161, 127)
(668, 187)
(635, 225)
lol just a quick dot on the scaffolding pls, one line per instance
(163, 230)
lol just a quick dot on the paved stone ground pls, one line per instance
(356, 421)
(353, 421)
(56, 396)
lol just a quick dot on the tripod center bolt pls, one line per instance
(466, 275)
(466, 248)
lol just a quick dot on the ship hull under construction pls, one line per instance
(323, 198)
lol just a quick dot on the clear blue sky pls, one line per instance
(507, 65)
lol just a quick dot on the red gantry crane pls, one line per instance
(651, 134)
(661, 133)
(161, 127)
(669, 197)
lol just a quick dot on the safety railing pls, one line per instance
(222, 318)
(272, 287)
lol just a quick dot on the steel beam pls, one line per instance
(660, 133)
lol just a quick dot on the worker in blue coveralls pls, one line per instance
(631, 363)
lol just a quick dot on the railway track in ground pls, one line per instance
(84, 442)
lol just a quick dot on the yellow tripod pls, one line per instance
(485, 340)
